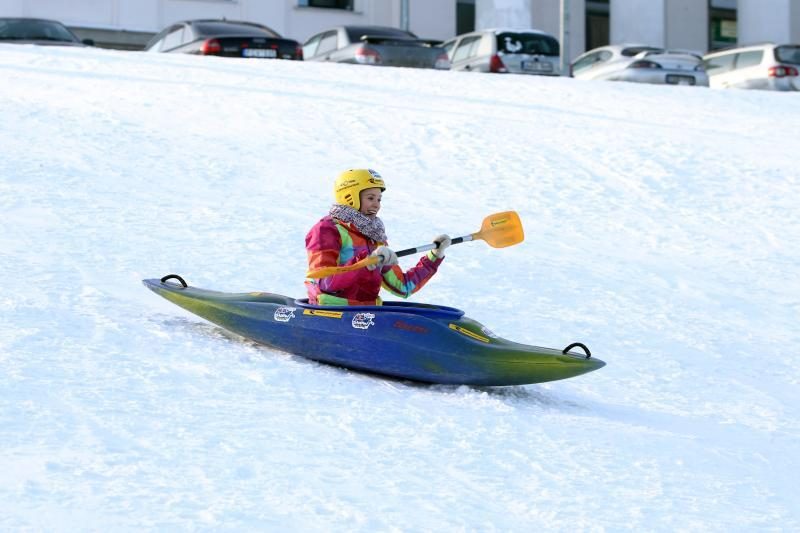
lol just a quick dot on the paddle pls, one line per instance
(498, 230)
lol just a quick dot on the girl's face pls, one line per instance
(370, 201)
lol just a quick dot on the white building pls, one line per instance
(690, 24)
(698, 25)
(130, 23)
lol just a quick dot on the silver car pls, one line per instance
(764, 66)
(375, 45)
(640, 63)
(505, 50)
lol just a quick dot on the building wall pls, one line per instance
(502, 14)
(546, 16)
(670, 23)
(794, 23)
(638, 21)
(681, 24)
(435, 19)
(108, 14)
(431, 19)
(686, 25)
(765, 20)
(303, 22)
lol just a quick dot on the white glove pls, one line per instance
(441, 242)
(385, 257)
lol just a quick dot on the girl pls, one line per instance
(351, 232)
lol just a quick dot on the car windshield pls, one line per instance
(788, 54)
(210, 29)
(34, 30)
(355, 33)
(527, 43)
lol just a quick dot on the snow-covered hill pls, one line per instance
(662, 230)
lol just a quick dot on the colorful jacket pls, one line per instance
(333, 242)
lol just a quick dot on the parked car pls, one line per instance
(226, 38)
(763, 66)
(38, 31)
(375, 45)
(502, 50)
(640, 63)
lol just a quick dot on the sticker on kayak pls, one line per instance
(363, 320)
(405, 326)
(469, 333)
(284, 314)
(326, 314)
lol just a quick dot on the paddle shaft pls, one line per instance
(431, 246)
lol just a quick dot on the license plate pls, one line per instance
(677, 79)
(260, 52)
(537, 66)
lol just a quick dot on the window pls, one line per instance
(591, 60)
(722, 24)
(216, 28)
(173, 39)
(788, 54)
(14, 29)
(310, 48)
(467, 48)
(448, 47)
(356, 33)
(719, 64)
(585, 62)
(749, 59)
(327, 44)
(465, 16)
(527, 43)
(597, 23)
(329, 4)
(636, 50)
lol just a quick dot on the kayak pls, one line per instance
(413, 341)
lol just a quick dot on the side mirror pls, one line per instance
(88, 42)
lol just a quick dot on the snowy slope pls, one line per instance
(661, 229)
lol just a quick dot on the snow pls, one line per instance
(662, 230)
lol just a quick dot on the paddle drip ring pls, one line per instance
(174, 276)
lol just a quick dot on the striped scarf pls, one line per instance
(367, 226)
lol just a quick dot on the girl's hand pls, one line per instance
(385, 256)
(441, 242)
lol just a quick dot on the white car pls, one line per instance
(764, 66)
(505, 51)
(640, 63)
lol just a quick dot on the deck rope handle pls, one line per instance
(174, 276)
(577, 345)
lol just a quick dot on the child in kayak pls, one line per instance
(352, 231)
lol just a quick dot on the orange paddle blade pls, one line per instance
(501, 230)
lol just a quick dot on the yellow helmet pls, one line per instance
(350, 183)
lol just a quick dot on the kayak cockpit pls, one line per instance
(428, 310)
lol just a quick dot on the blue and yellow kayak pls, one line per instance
(419, 342)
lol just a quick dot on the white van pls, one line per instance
(763, 66)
